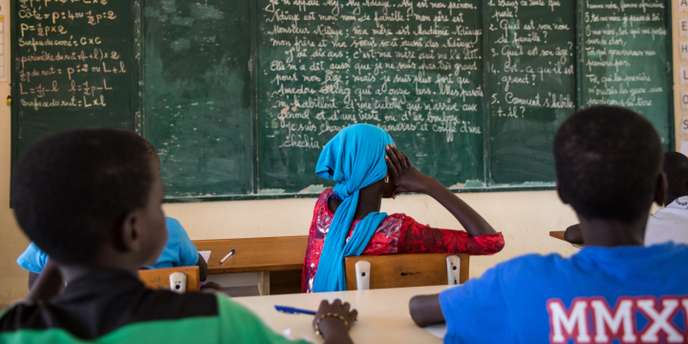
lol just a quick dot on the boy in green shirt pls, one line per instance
(92, 200)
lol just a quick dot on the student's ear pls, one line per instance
(661, 189)
(128, 234)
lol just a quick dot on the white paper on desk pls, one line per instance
(437, 330)
(287, 333)
(205, 255)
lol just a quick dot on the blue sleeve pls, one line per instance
(32, 259)
(476, 312)
(188, 254)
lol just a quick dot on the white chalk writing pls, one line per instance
(66, 56)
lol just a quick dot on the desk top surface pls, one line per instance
(255, 254)
(383, 314)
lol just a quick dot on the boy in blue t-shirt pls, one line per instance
(608, 165)
(178, 251)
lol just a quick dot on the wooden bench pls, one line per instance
(279, 260)
(405, 270)
(160, 278)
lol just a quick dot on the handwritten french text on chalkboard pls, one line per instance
(73, 67)
(625, 58)
(66, 58)
(532, 83)
(411, 67)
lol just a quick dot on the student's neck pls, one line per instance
(610, 233)
(370, 200)
(72, 272)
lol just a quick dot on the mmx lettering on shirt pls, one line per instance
(630, 320)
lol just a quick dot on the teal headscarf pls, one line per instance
(353, 159)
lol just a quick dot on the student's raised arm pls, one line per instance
(408, 179)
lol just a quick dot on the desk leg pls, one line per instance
(264, 283)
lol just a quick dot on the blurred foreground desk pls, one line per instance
(383, 314)
(277, 260)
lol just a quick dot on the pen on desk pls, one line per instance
(227, 256)
(293, 310)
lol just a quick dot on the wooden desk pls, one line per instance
(255, 254)
(383, 314)
(281, 256)
(160, 278)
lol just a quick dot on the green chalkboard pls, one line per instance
(501, 77)
(73, 66)
(626, 59)
(239, 96)
(197, 95)
(531, 85)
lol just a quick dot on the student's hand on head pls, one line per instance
(405, 176)
(334, 320)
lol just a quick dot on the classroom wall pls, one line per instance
(12, 281)
(680, 42)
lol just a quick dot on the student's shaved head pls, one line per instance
(72, 189)
(608, 162)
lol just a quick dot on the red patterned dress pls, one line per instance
(398, 233)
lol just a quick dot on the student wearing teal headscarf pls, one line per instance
(365, 166)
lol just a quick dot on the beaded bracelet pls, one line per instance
(316, 323)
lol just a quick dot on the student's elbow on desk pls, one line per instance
(425, 310)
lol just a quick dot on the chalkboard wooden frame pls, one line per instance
(138, 117)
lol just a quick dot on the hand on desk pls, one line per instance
(334, 320)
